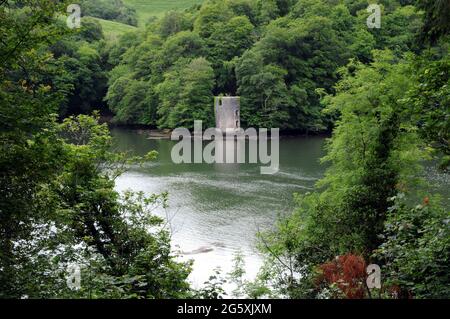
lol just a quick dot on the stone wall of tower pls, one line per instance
(227, 110)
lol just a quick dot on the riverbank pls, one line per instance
(165, 134)
(155, 133)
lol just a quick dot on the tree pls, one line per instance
(88, 79)
(399, 31)
(57, 198)
(79, 53)
(134, 106)
(264, 95)
(110, 10)
(227, 42)
(267, 11)
(416, 248)
(302, 42)
(174, 22)
(211, 13)
(90, 31)
(437, 19)
(430, 100)
(373, 153)
(186, 94)
(184, 44)
(303, 55)
(29, 155)
(123, 245)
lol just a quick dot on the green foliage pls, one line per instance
(227, 42)
(120, 243)
(430, 100)
(279, 88)
(29, 154)
(86, 74)
(373, 149)
(399, 30)
(263, 85)
(186, 94)
(148, 9)
(372, 155)
(185, 44)
(132, 96)
(80, 55)
(297, 46)
(109, 10)
(213, 287)
(173, 22)
(118, 48)
(416, 249)
(211, 14)
(244, 288)
(119, 233)
(58, 204)
(285, 58)
(437, 19)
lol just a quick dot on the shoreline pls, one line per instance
(165, 134)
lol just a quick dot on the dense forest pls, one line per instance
(279, 56)
(305, 65)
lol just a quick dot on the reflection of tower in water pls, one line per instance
(227, 111)
(229, 151)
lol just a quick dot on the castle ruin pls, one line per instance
(227, 110)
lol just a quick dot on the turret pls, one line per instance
(227, 110)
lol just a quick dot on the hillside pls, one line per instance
(113, 29)
(147, 8)
(144, 10)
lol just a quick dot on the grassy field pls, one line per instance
(113, 29)
(147, 8)
(144, 9)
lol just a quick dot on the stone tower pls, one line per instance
(227, 109)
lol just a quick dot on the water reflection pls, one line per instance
(220, 207)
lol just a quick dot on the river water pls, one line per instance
(216, 209)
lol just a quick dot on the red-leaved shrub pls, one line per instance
(348, 273)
